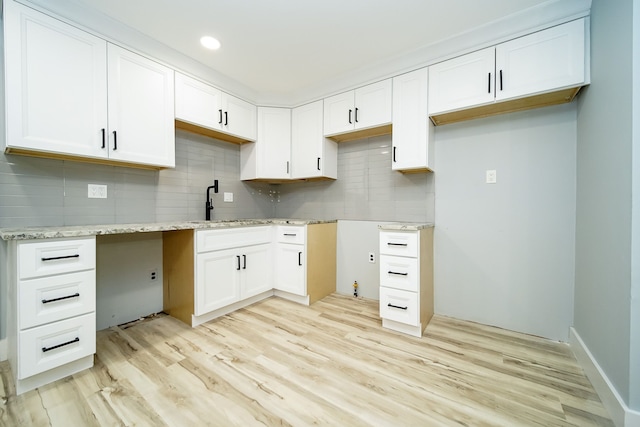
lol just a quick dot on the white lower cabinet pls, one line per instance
(290, 270)
(406, 279)
(228, 276)
(238, 268)
(51, 329)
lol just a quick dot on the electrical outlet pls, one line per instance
(96, 191)
(372, 257)
(228, 197)
(153, 275)
(491, 176)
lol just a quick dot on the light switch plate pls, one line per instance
(97, 191)
(491, 176)
(228, 197)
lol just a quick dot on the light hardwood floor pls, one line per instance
(279, 363)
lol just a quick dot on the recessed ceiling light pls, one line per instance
(210, 42)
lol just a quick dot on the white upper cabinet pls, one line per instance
(56, 85)
(461, 82)
(549, 59)
(363, 108)
(269, 158)
(312, 155)
(203, 105)
(73, 95)
(198, 103)
(413, 132)
(544, 68)
(141, 99)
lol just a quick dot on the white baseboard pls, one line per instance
(3, 350)
(620, 413)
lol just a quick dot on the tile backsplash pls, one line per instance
(46, 192)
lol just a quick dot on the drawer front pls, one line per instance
(52, 345)
(399, 243)
(47, 257)
(399, 273)
(400, 306)
(212, 240)
(49, 299)
(291, 234)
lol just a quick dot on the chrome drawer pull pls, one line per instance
(47, 301)
(399, 274)
(396, 244)
(396, 306)
(45, 349)
(60, 257)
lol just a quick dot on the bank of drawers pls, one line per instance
(56, 301)
(400, 280)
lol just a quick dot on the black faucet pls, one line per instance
(209, 206)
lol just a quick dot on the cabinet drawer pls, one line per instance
(47, 257)
(52, 345)
(291, 234)
(399, 306)
(399, 243)
(212, 240)
(48, 299)
(399, 272)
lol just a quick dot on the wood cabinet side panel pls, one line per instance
(426, 276)
(178, 274)
(321, 260)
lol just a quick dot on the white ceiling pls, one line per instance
(279, 47)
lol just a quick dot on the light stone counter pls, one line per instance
(27, 233)
(405, 226)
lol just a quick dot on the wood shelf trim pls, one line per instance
(510, 106)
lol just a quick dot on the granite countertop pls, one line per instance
(27, 233)
(405, 226)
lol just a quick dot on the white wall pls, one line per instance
(504, 252)
(605, 311)
(355, 240)
(124, 291)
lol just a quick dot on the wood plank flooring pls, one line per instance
(277, 363)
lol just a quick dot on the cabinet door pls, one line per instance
(217, 280)
(312, 155)
(239, 117)
(290, 269)
(56, 85)
(273, 147)
(339, 113)
(412, 133)
(373, 105)
(256, 270)
(540, 62)
(141, 109)
(462, 82)
(198, 103)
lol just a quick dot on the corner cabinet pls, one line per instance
(204, 109)
(544, 68)
(413, 132)
(51, 329)
(74, 96)
(359, 113)
(406, 279)
(269, 158)
(312, 155)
